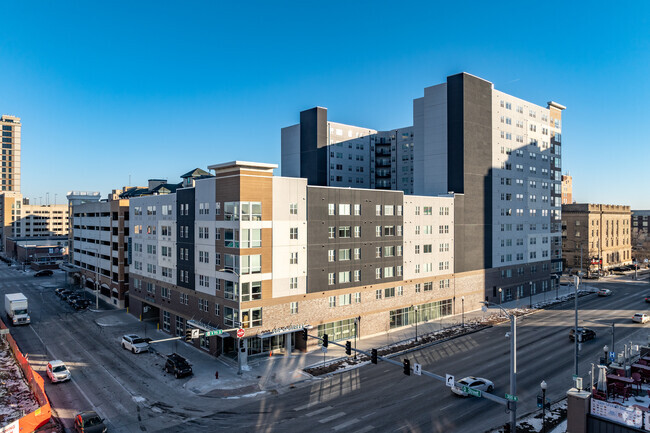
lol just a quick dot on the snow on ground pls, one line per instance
(532, 423)
(16, 398)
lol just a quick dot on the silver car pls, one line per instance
(57, 371)
(478, 383)
(134, 343)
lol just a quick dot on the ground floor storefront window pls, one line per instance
(339, 330)
(425, 312)
(258, 346)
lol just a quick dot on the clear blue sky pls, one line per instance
(150, 89)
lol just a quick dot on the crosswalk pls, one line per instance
(326, 415)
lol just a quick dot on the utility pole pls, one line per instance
(513, 371)
(576, 282)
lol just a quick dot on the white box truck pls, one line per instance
(16, 308)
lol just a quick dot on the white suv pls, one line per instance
(57, 371)
(641, 318)
(134, 343)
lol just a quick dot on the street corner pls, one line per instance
(111, 319)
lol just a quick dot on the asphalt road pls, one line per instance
(381, 398)
(133, 397)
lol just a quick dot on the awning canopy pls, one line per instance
(281, 331)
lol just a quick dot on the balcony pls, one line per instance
(382, 162)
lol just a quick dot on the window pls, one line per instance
(377, 252)
(357, 209)
(357, 231)
(389, 272)
(344, 231)
(389, 292)
(251, 291)
(293, 308)
(378, 210)
(389, 210)
(293, 210)
(251, 238)
(378, 231)
(332, 233)
(293, 258)
(427, 248)
(204, 281)
(378, 294)
(217, 309)
(428, 286)
(378, 273)
(344, 254)
(231, 315)
(389, 231)
(357, 275)
(293, 283)
(251, 318)
(331, 255)
(293, 233)
(345, 299)
(251, 264)
(344, 209)
(332, 301)
(357, 297)
(331, 278)
(357, 253)
(331, 209)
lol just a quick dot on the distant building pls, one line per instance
(11, 129)
(567, 189)
(38, 253)
(596, 236)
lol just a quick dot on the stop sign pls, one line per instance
(240, 333)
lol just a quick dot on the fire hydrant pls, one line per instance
(216, 374)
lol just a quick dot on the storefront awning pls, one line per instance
(280, 331)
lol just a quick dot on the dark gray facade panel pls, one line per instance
(313, 146)
(469, 123)
(185, 196)
(319, 221)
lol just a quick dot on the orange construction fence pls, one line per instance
(42, 415)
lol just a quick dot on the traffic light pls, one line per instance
(304, 334)
(325, 340)
(407, 367)
(348, 348)
(188, 335)
(373, 356)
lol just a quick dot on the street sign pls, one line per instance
(450, 381)
(240, 333)
(323, 349)
(195, 333)
(471, 391)
(612, 356)
(213, 333)
(512, 397)
(417, 369)
(575, 376)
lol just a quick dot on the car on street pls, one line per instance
(585, 334)
(478, 383)
(57, 371)
(647, 299)
(44, 273)
(134, 343)
(64, 293)
(604, 292)
(177, 365)
(80, 304)
(89, 422)
(641, 318)
(73, 298)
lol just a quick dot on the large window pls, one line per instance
(244, 211)
(426, 312)
(339, 330)
(251, 238)
(230, 316)
(251, 264)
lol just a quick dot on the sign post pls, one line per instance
(449, 380)
(417, 369)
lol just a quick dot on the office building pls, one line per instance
(596, 237)
(11, 130)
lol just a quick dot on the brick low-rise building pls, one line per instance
(596, 236)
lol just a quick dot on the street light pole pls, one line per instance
(513, 364)
(577, 337)
(238, 344)
(543, 385)
(416, 322)
(463, 313)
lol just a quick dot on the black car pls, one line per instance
(63, 294)
(73, 298)
(177, 365)
(585, 333)
(80, 304)
(89, 422)
(44, 273)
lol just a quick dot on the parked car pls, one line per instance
(73, 298)
(604, 292)
(177, 365)
(478, 383)
(80, 304)
(63, 294)
(585, 333)
(134, 343)
(89, 422)
(640, 318)
(44, 273)
(57, 371)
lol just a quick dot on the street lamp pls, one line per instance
(232, 271)
(500, 295)
(578, 338)
(530, 293)
(462, 299)
(416, 322)
(543, 386)
(513, 362)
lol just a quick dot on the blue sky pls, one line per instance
(112, 91)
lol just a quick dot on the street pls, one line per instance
(133, 394)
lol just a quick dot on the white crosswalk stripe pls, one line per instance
(347, 424)
(321, 410)
(331, 417)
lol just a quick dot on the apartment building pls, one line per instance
(272, 254)
(640, 219)
(596, 237)
(11, 135)
(99, 249)
(500, 155)
(567, 189)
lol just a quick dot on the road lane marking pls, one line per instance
(331, 417)
(445, 407)
(346, 424)
(365, 429)
(321, 410)
(304, 406)
(370, 414)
